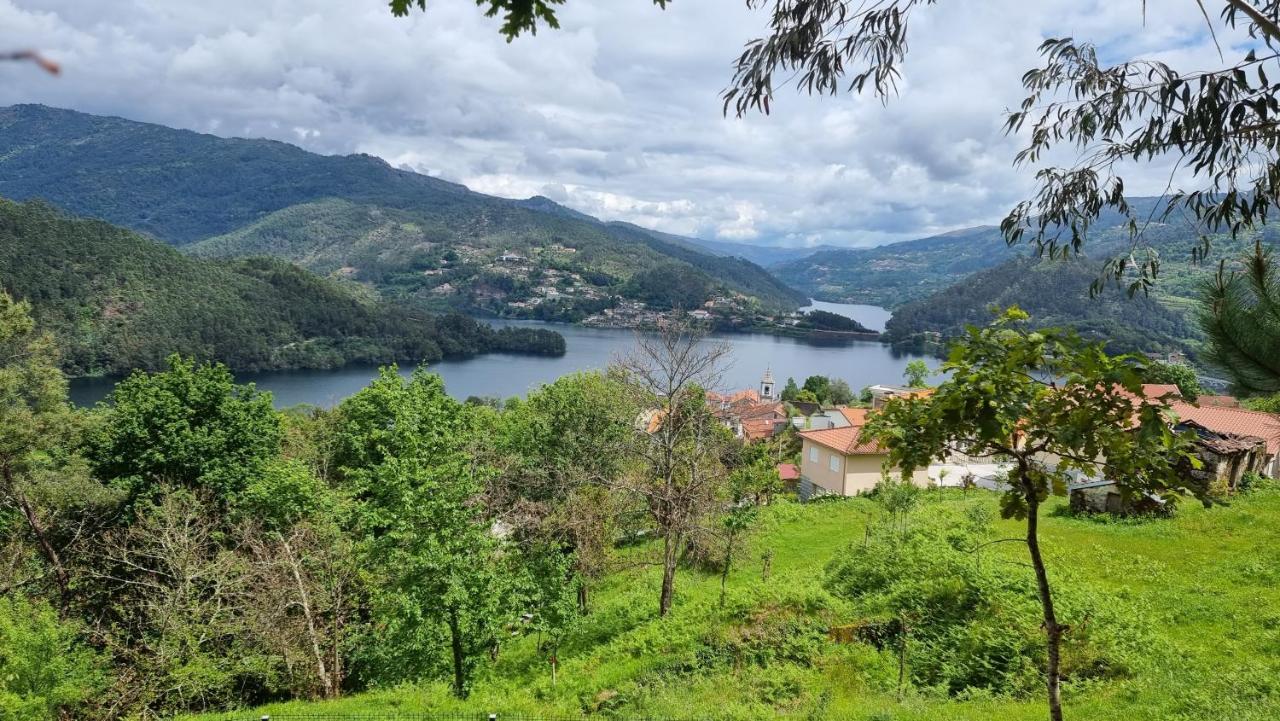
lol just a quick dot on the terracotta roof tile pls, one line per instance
(1233, 420)
(847, 440)
(788, 471)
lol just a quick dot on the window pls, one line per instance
(813, 454)
(835, 462)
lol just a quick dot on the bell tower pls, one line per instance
(766, 385)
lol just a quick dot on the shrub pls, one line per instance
(44, 670)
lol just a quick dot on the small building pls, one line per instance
(840, 461)
(1104, 496)
(1224, 458)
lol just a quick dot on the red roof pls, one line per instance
(788, 471)
(847, 440)
(1223, 401)
(1239, 421)
(855, 416)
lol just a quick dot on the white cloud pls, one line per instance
(617, 114)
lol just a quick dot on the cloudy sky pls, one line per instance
(616, 114)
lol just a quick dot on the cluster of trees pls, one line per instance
(185, 546)
(819, 389)
(116, 301)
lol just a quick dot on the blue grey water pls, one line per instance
(503, 375)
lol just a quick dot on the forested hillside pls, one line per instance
(898, 273)
(117, 301)
(1055, 293)
(352, 213)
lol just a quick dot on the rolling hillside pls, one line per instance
(255, 196)
(1055, 293)
(1197, 645)
(898, 273)
(117, 301)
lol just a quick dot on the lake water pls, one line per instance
(502, 375)
(873, 317)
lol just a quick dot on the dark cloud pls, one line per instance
(617, 114)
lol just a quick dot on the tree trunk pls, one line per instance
(459, 672)
(309, 615)
(42, 539)
(728, 559)
(1052, 631)
(583, 598)
(670, 555)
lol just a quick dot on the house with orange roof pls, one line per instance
(842, 461)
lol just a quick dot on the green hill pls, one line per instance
(117, 301)
(898, 273)
(1055, 293)
(1187, 608)
(383, 225)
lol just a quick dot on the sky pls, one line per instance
(617, 114)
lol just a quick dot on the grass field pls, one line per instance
(1201, 590)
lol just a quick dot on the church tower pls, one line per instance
(766, 386)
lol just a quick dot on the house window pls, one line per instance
(813, 454)
(835, 462)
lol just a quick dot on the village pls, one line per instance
(835, 459)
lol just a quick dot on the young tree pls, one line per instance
(403, 457)
(917, 374)
(678, 450)
(1057, 407)
(749, 485)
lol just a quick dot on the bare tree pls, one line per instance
(305, 591)
(678, 438)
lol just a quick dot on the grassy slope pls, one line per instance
(1204, 585)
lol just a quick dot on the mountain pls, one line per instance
(765, 255)
(1055, 293)
(244, 197)
(117, 301)
(896, 273)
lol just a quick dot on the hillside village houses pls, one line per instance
(836, 458)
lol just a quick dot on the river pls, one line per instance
(503, 375)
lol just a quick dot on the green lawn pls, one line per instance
(1201, 590)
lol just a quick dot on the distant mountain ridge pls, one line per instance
(118, 301)
(184, 187)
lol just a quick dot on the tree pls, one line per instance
(678, 451)
(554, 453)
(1031, 397)
(1179, 374)
(748, 486)
(1242, 321)
(188, 426)
(790, 391)
(917, 374)
(40, 475)
(819, 386)
(839, 393)
(403, 459)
